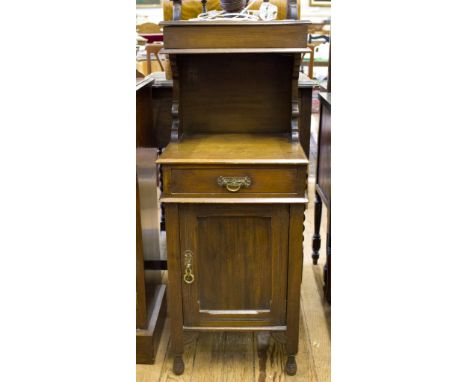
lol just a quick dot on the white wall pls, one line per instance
(154, 15)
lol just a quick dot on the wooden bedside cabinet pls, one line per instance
(234, 181)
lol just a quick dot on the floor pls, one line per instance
(259, 357)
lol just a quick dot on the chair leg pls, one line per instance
(160, 63)
(311, 64)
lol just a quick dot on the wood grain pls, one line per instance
(219, 96)
(271, 356)
(222, 240)
(209, 359)
(141, 308)
(226, 200)
(314, 335)
(264, 179)
(238, 357)
(162, 103)
(235, 50)
(214, 34)
(167, 374)
(152, 373)
(174, 291)
(234, 149)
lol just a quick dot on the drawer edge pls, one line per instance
(227, 200)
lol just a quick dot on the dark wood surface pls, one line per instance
(150, 294)
(230, 245)
(225, 34)
(175, 285)
(144, 116)
(234, 258)
(296, 228)
(323, 188)
(234, 149)
(324, 149)
(234, 51)
(141, 308)
(282, 181)
(147, 339)
(162, 103)
(260, 98)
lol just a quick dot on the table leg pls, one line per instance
(317, 220)
(327, 267)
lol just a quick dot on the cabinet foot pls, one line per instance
(178, 365)
(291, 366)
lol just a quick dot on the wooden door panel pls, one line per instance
(239, 257)
(234, 262)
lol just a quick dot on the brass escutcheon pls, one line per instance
(188, 274)
(234, 183)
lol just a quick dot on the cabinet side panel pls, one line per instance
(174, 274)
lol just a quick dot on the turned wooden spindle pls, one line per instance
(317, 219)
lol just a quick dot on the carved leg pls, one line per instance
(178, 365)
(291, 366)
(317, 220)
(174, 288)
(296, 226)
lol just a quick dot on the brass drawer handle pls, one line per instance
(234, 183)
(188, 274)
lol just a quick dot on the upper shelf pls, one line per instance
(287, 34)
(234, 149)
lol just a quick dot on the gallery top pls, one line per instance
(264, 35)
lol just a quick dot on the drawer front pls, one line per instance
(230, 181)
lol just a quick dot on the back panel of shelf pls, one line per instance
(235, 93)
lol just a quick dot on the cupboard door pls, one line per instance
(234, 264)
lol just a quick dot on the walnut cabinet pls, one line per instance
(234, 180)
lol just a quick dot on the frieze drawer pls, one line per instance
(237, 180)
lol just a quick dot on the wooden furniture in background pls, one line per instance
(319, 26)
(150, 292)
(148, 28)
(323, 188)
(310, 64)
(153, 49)
(234, 179)
(320, 3)
(150, 31)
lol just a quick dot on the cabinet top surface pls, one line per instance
(235, 23)
(234, 149)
